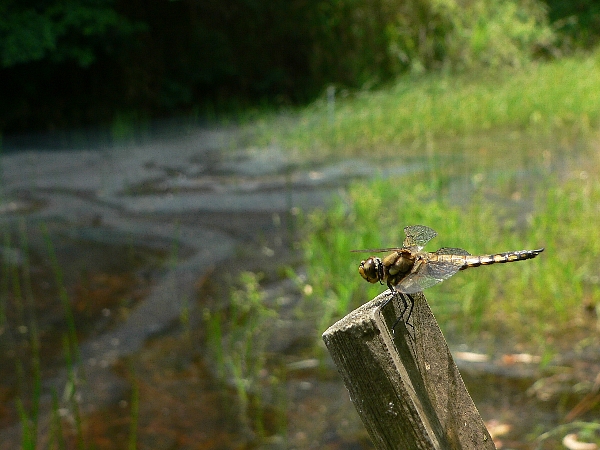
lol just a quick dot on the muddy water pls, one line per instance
(44, 263)
(150, 237)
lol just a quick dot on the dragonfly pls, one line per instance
(409, 269)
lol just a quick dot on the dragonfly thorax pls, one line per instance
(397, 265)
(391, 269)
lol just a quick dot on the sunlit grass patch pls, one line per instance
(558, 96)
(533, 301)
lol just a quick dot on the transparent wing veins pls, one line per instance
(452, 251)
(417, 236)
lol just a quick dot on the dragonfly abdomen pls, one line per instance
(484, 260)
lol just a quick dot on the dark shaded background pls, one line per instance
(82, 63)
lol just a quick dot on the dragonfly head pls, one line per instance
(371, 269)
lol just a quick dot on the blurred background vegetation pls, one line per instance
(486, 110)
(66, 63)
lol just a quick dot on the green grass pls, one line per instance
(534, 302)
(238, 344)
(544, 98)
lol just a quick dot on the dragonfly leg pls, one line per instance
(406, 306)
(394, 293)
(412, 305)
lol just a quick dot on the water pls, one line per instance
(150, 238)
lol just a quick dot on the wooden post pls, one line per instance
(405, 386)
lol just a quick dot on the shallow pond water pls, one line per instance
(58, 286)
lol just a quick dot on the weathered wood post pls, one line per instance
(405, 386)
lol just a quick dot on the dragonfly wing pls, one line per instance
(415, 282)
(417, 236)
(428, 274)
(440, 270)
(452, 251)
(376, 250)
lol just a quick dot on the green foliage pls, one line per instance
(357, 43)
(472, 34)
(59, 31)
(578, 22)
(26, 36)
(64, 63)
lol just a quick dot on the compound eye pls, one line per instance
(368, 270)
